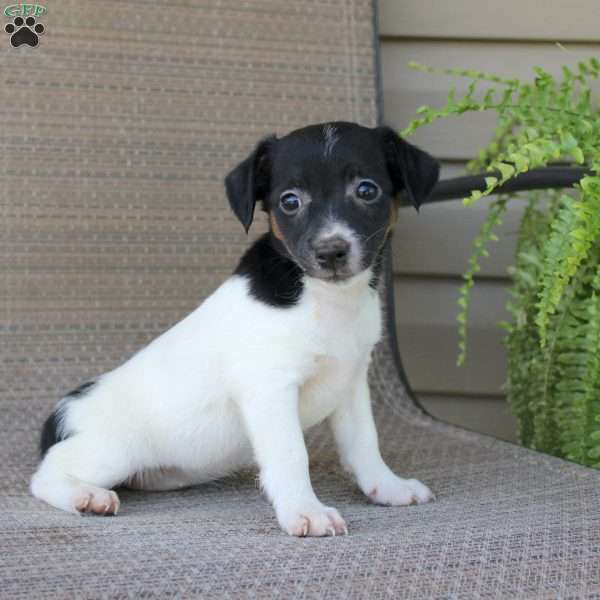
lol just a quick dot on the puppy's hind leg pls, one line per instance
(161, 479)
(77, 473)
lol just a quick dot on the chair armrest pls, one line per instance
(536, 179)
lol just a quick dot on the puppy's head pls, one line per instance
(331, 193)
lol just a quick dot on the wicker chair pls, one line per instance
(116, 133)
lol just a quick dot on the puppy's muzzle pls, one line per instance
(332, 253)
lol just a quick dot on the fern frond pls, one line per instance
(574, 231)
(486, 234)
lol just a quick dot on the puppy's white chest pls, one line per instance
(344, 337)
(347, 330)
(334, 381)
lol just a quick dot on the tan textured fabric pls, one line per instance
(115, 135)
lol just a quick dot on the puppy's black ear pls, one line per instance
(412, 170)
(249, 182)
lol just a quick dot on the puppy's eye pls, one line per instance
(290, 203)
(367, 190)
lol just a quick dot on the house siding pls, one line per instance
(431, 248)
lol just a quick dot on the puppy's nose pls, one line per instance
(332, 252)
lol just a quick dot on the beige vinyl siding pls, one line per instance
(405, 89)
(425, 313)
(431, 248)
(530, 20)
(436, 241)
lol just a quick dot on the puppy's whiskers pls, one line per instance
(370, 237)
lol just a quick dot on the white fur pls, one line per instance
(236, 381)
(336, 228)
(331, 139)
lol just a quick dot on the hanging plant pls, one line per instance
(553, 340)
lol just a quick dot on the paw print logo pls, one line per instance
(24, 31)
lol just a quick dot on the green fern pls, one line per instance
(525, 366)
(553, 340)
(578, 391)
(486, 234)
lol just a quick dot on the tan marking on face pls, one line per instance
(275, 227)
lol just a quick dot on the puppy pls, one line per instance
(282, 345)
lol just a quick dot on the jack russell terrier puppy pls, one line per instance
(282, 345)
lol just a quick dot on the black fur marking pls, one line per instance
(50, 430)
(274, 278)
(49, 434)
(377, 268)
(81, 390)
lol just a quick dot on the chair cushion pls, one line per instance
(508, 522)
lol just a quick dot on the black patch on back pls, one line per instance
(50, 430)
(274, 278)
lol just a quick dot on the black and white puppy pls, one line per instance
(282, 345)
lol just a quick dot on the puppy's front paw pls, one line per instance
(395, 491)
(312, 519)
(96, 500)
